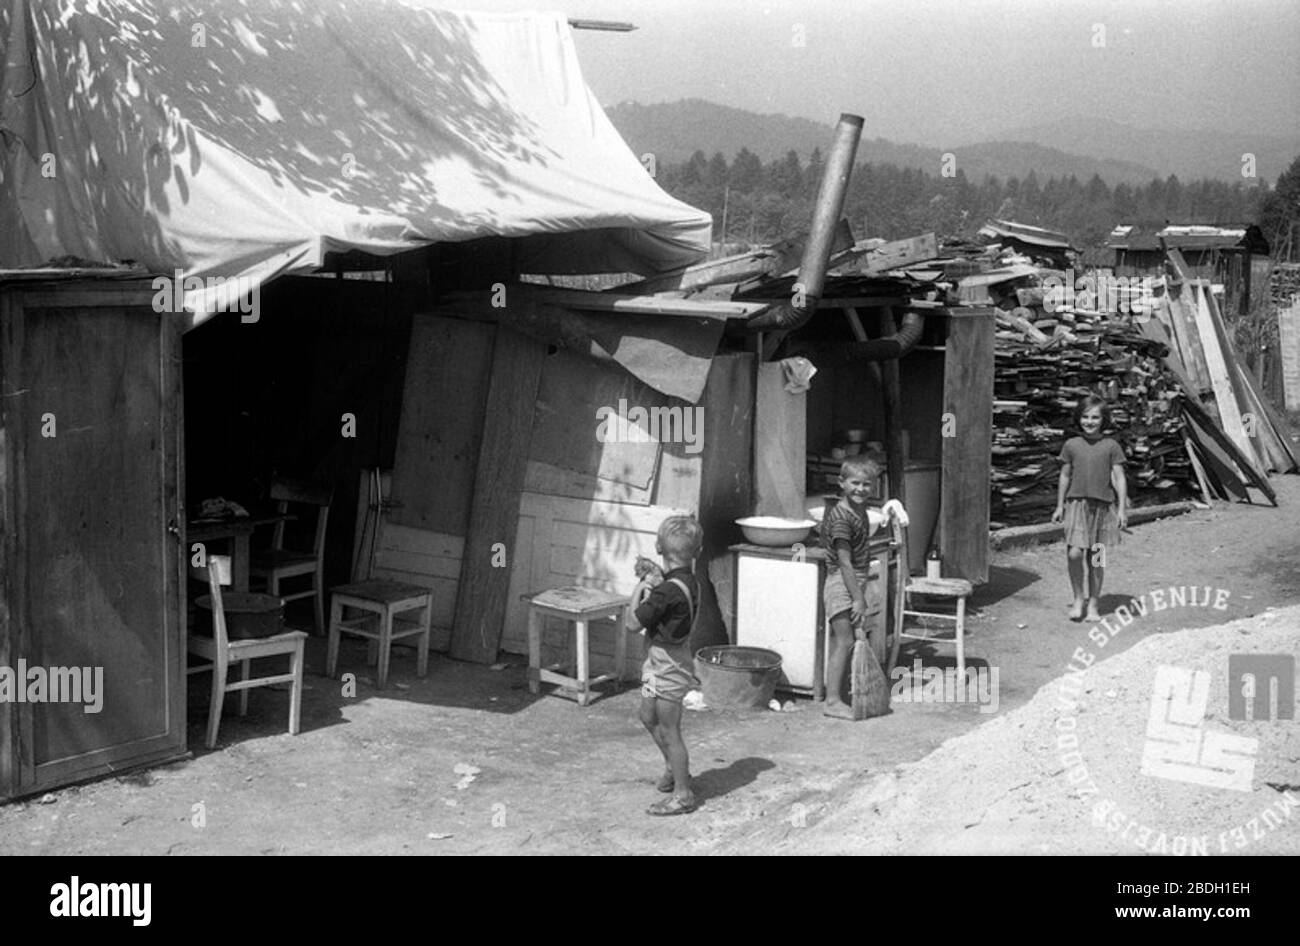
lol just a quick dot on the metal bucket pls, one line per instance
(733, 677)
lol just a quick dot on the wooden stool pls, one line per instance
(580, 606)
(384, 601)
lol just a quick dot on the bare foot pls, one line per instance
(837, 710)
(1076, 611)
(1094, 613)
(665, 783)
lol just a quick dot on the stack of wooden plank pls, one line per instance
(1038, 383)
(1191, 419)
(1236, 435)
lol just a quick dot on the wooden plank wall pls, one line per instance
(430, 560)
(968, 395)
(442, 423)
(563, 541)
(572, 525)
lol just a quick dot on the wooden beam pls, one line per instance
(768, 261)
(892, 403)
(494, 510)
(608, 26)
(1197, 468)
(1019, 536)
(862, 302)
(1271, 437)
(893, 255)
(637, 304)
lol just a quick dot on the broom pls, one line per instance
(870, 690)
(867, 681)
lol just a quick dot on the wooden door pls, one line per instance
(91, 378)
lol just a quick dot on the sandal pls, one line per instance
(665, 783)
(672, 806)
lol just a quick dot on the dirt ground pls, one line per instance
(467, 761)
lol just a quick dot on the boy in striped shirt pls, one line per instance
(846, 537)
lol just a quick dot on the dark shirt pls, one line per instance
(664, 613)
(1090, 465)
(842, 523)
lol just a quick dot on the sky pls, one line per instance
(944, 72)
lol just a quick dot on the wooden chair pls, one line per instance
(278, 563)
(222, 652)
(958, 589)
(385, 606)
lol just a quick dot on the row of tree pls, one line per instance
(760, 203)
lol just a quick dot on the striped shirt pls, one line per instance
(842, 523)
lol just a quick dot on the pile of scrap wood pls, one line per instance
(1037, 384)
(1235, 434)
(1191, 419)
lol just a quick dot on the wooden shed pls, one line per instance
(501, 485)
(1235, 256)
(471, 133)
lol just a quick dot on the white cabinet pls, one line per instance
(779, 606)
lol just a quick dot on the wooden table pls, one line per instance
(238, 530)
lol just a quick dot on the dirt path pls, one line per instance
(467, 761)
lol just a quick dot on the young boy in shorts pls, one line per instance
(664, 605)
(846, 537)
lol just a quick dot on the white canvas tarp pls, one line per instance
(247, 138)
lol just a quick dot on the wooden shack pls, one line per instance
(474, 134)
(1235, 256)
(501, 485)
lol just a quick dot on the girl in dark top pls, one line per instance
(1092, 500)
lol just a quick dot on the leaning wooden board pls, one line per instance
(1207, 432)
(968, 398)
(780, 445)
(1220, 376)
(498, 485)
(1233, 362)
